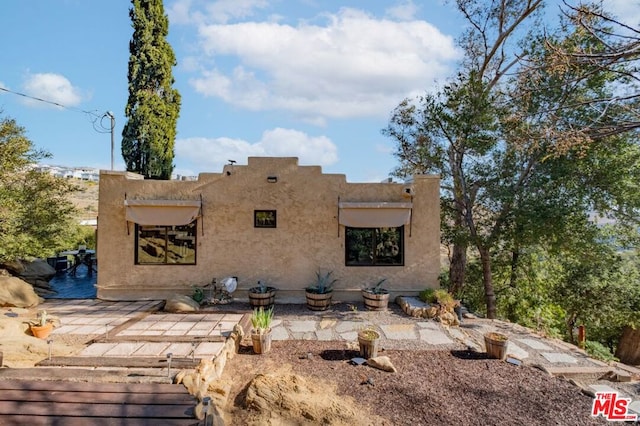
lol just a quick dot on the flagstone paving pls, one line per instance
(125, 325)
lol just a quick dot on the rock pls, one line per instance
(181, 303)
(16, 267)
(37, 269)
(382, 363)
(16, 292)
(448, 318)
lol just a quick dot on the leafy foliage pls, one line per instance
(598, 351)
(153, 106)
(261, 319)
(323, 284)
(36, 217)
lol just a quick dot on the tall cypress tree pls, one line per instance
(153, 106)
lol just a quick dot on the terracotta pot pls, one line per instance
(41, 331)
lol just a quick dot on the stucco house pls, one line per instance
(269, 220)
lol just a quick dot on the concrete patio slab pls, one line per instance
(559, 357)
(346, 326)
(535, 344)
(435, 337)
(516, 351)
(123, 349)
(279, 333)
(399, 331)
(208, 349)
(301, 326)
(151, 349)
(97, 349)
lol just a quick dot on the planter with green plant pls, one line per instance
(496, 345)
(368, 342)
(376, 298)
(261, 329)
(319, 293)
(42, 326)
(262, 295)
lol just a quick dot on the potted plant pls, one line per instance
(496, 345)
(376, 298)
(368, 342)
(262, 295)
(41, 327)
(261, 329)
(320, 292)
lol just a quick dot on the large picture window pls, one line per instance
(374, 246)
(163, 245)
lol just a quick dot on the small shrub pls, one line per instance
(323, 284)
(261, 319)
(427, 295)
(599, 351)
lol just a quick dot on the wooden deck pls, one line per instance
(30, 402)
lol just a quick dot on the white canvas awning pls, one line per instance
(162, 212)
(374, 215)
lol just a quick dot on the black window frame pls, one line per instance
(273, 219)
(167, 228)
(374, 244)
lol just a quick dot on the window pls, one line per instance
(264, 218)
(163, 245)
(374, 246)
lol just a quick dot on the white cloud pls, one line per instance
(211, 154)
(404, 11)
(51, 87)
(355, 65)
(221, 11)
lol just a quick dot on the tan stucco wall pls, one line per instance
(307, 236)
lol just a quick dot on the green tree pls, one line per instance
(497, 134)
(36, 217)
(153, 106)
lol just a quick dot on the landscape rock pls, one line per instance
(37, 269)
(181, 303)
(18, 293)
(382, 363)
(287, 398)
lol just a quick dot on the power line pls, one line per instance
(98, 126)
(4, 89)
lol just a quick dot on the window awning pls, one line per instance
(162, 212)
(374, 215)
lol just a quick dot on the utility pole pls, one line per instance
(113, 125)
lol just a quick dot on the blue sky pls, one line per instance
(315, 79)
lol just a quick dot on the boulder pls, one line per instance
(382, 363)
(38, 269)
(181, 303)
(16, 292)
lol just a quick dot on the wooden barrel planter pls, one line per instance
(261, 342)
(318, 301)
(375, 301)
(368, 342)
(496, 345)
(264, 300)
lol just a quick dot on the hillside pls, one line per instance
(85, 199)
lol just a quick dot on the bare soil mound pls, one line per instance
(313, 382)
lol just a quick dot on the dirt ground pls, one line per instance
(313, 382)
